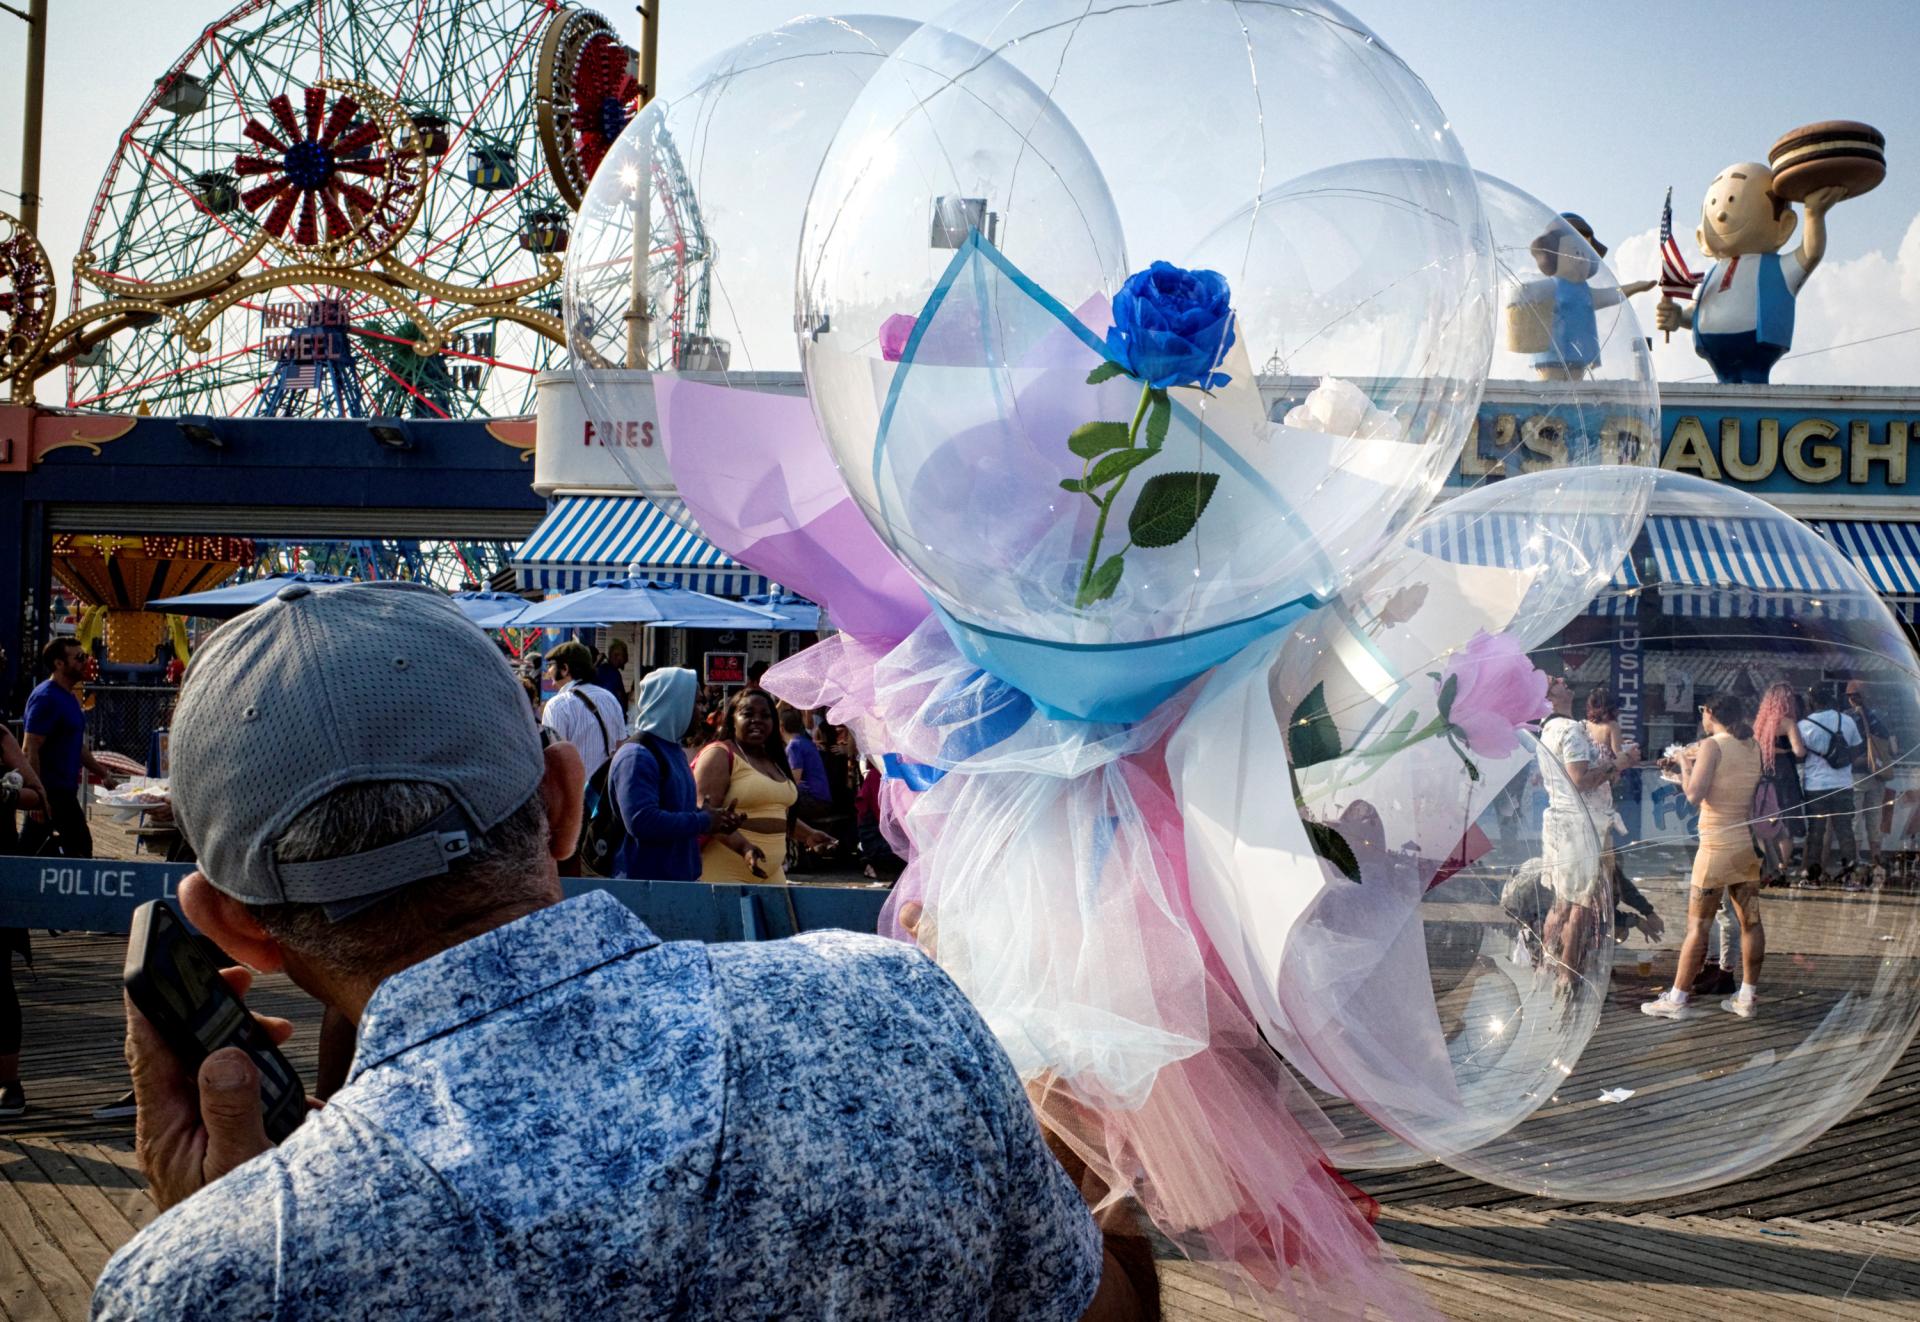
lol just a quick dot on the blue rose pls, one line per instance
(1172, 327)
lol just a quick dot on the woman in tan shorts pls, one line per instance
(1719, 775)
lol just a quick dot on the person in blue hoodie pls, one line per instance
(652, 785)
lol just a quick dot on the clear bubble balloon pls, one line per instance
(1068, 460)
(704, 194)
(1565, 329)
(1448, 960)
(1749, 634)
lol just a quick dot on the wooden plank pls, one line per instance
(1551, 1271)
(1703, 1260)
(21, 1299)
(116, 1173)
(64, 1176)
(48, 1205)
(53, 1272)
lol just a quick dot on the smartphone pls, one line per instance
(174, 980)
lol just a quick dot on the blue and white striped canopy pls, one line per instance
(1516, 541)
(1750, 569)
(587, 538)
(1887, 553)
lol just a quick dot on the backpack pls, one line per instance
(604, 831)
(598, 803)
(1843, 761)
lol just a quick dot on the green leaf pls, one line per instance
(1073, 484)
(1105, 372)
(1105, 579)
(1170, 505)
(1096, 438)
(1311, 736)
(1114, 464)
(1448, 691)
(1159, 416)
(1332, 846)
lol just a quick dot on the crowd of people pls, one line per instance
(1796, 790)
(693, 782)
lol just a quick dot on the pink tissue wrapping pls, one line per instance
(760, 482)
(1220, 1160)
(1217, 1154)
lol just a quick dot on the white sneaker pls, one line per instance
(1665, 1007)
(1746, 1009)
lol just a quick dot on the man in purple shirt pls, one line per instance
(809, 768)
(56, 747)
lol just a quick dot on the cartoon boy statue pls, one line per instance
(1742, 317)
(1569, 256)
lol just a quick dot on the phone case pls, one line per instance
(173, 981)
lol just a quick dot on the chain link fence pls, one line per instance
(124, 716)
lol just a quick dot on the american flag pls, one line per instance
(1676, 281)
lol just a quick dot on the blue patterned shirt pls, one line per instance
(566, 1118)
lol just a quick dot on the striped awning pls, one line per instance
(1887, 553)
(1749, 569)
(1517, 541)
(585, 538)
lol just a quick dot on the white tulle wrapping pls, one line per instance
(1034, 864)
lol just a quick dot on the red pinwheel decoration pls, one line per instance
(306, 171)
(604, 89)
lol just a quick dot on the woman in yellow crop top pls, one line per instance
(1719, 774)
(746, 770)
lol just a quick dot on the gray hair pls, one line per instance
(507, 865)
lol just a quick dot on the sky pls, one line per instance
(1595, 109)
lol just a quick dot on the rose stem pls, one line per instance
(1100, 524)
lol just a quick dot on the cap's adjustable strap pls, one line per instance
(430, 852)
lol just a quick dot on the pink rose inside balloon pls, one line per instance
(1490, 690)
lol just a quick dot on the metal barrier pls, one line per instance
(100, 895)
(124, 716)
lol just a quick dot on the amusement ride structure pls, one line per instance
(340, 209)
(348, 208)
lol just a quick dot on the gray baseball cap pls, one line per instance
(326, 686)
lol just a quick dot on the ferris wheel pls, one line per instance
(445, 141)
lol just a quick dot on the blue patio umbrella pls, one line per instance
(490, 610)
(225, 602)
(644, 601)
(796, 613)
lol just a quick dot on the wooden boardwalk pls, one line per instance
(1832, 1232)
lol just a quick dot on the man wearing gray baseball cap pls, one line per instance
(550, 1112)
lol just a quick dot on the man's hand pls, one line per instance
(726, 820)
(1667, 315)
(191, 1131)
